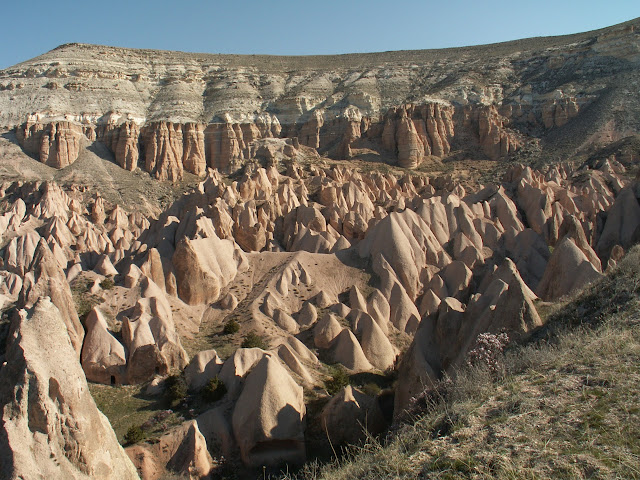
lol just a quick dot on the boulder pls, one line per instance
(356, 300)
(302, 351)
(203, 367)
(152, 268)
(379, 309)
(151, 338)
(105, 267)
(375, 344)
(46, 278)
(291, 360)
(236, 367)
(307, 315)
(346, 350)
(568, 270)
(622, 225)
(326, 330)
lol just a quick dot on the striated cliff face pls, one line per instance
(170, 112)
(56, 144)
(124, 141)
(417, 132)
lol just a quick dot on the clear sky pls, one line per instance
(293, 27)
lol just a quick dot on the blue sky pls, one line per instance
(284, 27)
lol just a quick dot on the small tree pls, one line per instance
(175, 388)
(231, 327)
(107, 283)
(338, 380)
(214, 390)
(253, 340)
(135, 434)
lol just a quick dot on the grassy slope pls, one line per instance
(566, 405)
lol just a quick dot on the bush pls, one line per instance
(487, 351)
(214, 390)
(253, 340)
(175, 388)
(231, 327)
(372, 389)
(107, 283)
(339, 379)
(135, 434)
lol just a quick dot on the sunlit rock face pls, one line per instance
(170, 112)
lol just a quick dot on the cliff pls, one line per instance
(169, 112)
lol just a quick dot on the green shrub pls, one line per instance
(253, 340)
(135, 434)
(231, 327)
(339, 379)
(214, 390)
(372, 389)
(107, 283)
(175, 388)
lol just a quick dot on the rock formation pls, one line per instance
(268, 416)
(56, 144)
(203, 267)
(168, 116)
(292, 243)
(50, 424)
(183, 451)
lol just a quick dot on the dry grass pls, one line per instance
(566, 405)
(127, 405)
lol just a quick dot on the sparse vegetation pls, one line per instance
(253, 340)
(231, 327)
(565, 406)
(487, 352)
(107, 283)
(83, 300)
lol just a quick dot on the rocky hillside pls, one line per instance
(211, 246)
(171, 113)
(562, 406)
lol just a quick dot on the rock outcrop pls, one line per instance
(401, 107)
(416, 132)
(103, 357)
(182, 451)
(349, 415)
(51, 426)
(56, 144)
(568, 270)
(268, 416)
(204, 266)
